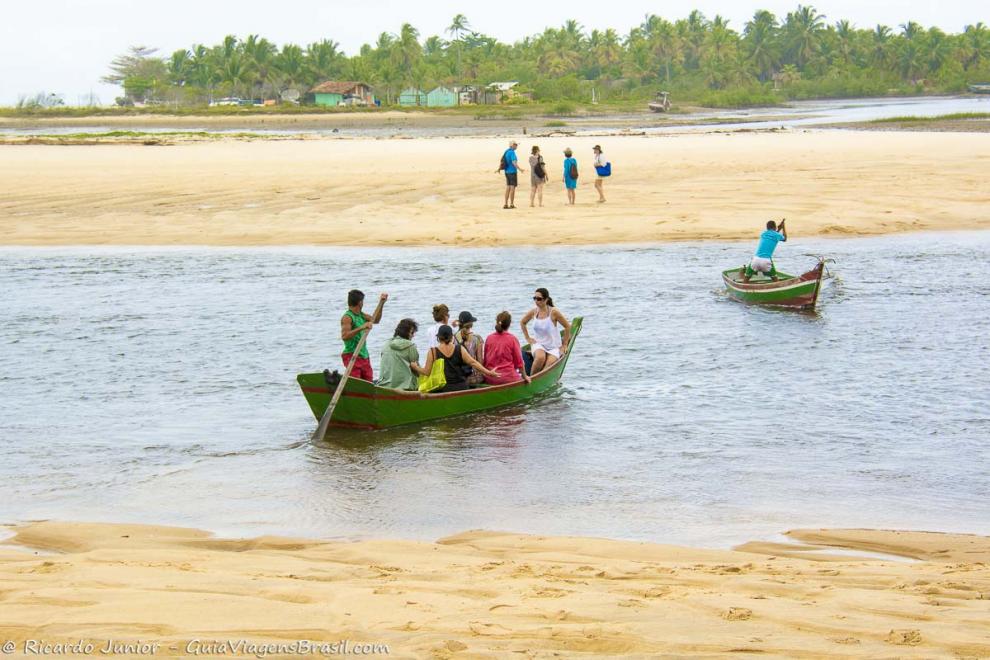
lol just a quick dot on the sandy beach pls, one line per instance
(487, 594)
(446, 192)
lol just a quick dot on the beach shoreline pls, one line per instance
(422, 192)
(487, 593)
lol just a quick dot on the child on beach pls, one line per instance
(570, 175)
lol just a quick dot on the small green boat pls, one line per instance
(364, 405)
(797, 291)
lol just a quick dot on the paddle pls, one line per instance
(321, 430)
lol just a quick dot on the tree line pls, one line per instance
(802, 55)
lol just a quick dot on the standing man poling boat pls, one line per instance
(353, 324)
(762, 261)
(547, 346)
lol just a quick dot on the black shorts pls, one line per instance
(511, 179)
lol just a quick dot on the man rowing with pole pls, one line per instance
(762, 261)
(353, 325)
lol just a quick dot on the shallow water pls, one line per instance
(794, 114)
(157, 385)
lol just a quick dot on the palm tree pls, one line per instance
(880, 50)
(975, 46)
(666, 45)
(322, 60)
(803, 29)
(760, 40)
(844, 35)
(458, 26)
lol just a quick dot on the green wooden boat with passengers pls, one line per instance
(797, 291)
(364, 405)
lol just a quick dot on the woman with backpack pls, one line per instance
(537, 176)
(570, 175)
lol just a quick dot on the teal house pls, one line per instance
(441, 97)
(342, 92)
(412, 96)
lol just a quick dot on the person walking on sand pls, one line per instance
(762, 261)
(353, 324)
(510, 165)
(537, 176)
(603, 168)
(570, 175)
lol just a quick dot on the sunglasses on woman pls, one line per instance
(537, 298)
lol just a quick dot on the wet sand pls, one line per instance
(487, 594)
(446, 192)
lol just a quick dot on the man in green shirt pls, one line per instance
(353, 324)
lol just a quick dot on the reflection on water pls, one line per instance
(158, 385)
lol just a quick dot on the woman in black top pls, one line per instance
(454, 357)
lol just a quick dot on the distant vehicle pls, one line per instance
(227, 100)
(352, 101)
(661, 104)
(980, 88)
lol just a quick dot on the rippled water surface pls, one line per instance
(157, 385)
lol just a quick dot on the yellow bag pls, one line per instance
(435, 380)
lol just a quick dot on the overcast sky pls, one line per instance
(64, 46)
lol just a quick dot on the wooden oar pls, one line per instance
(321, 430)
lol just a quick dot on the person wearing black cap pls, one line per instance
(455, 357)
(474, 344)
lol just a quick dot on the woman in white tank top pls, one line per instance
(545, 343)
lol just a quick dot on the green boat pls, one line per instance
(797, 291)
(364, 405)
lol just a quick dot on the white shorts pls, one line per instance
(549, 351)
(761, 265)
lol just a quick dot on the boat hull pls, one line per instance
(799, 292)
(364, 405)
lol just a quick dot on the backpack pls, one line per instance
(540, 171)
(503, 164)
(573, 172)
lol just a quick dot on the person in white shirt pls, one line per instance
(599, 180)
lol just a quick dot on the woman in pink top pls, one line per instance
(503, 353)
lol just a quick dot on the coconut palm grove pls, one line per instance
(804, 54)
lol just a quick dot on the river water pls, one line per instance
(791, 115)
(157, 385)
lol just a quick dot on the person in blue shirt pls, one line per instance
(762, 261)
(511, 166)
(570, 168)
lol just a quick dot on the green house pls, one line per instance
(412, 96)
(441, 97)
(350, 92)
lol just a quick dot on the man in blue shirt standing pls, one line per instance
(512, 168)
(762, 261)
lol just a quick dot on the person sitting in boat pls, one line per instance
(503, 353)
(546, 346)
(455, 357)
(474, 344)
(762, 261)
(353, 324)
(441, 316)
(400, 359)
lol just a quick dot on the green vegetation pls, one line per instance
(949, 117)
(698, 60)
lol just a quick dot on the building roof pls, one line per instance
(441, 88)
(337, 87)
(503, 86)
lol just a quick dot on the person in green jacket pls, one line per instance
(400, 359)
